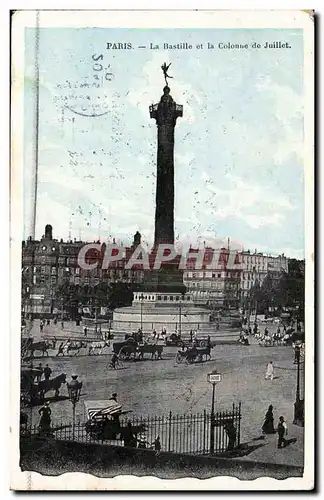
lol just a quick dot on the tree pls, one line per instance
(104, 294)
(286, 292)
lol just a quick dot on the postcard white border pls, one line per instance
(166, 19)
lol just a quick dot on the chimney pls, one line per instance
(48, 232)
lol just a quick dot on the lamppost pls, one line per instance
(213, 378)
(299, 404)
(141, 299)
(74, 390)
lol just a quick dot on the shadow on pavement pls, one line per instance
(289, 441)
(242, 451)
(51, 399)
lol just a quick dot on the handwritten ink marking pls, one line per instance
(82, 113)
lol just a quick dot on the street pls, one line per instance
(155, 387)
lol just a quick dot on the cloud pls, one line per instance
(254, 204)
(287, 108)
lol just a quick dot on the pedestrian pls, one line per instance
(268, 427)
(157, 445)
(269, 371)
(62, 324)
(48, 322)
(231, 434)
(191, 336)
(114, 397)
(47, 372)
(55, 321)
(66, 347)
(141, 441)
(41, 326)
(85, 331)
(128, 436)
(45, 421)
(60, 349)
(40, 372)
(282, 431)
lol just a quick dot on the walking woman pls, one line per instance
(268, 427)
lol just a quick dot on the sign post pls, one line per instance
(213, 378)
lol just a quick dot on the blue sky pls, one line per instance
(238, 150)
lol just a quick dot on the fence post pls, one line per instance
(169, 444)
(204, 432)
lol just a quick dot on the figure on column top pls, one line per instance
(165, 68)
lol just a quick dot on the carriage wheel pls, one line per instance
(179, 358)
(120, 365)
(203, 343)
(122, 354)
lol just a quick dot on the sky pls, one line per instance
(238, 148)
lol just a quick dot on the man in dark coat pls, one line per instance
(45, 421)
(231, 433)
(128, 436)
(47, 372)
(282, 431)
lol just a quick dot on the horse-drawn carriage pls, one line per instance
(103, 421)
(175, 339)
(193, 354)
(34, 392)
(129, 349)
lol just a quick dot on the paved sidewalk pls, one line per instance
(268, 452)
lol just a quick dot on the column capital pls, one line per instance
(167, 110)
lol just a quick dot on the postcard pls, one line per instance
(162, 217)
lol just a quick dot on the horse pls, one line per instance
(155, 350)
(55, 383)
(97, 347)
(206, 351)
(41, 346)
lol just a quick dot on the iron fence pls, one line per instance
(191, 433)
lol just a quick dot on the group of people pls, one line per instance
(282, 428)
(152, 338)
(64, 348)
(47, 322)
(46, 371)
(139, 441)
(265, 338)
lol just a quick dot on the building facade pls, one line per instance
(225, 286)
(215, 287)
(256, 266)
(48, 264)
